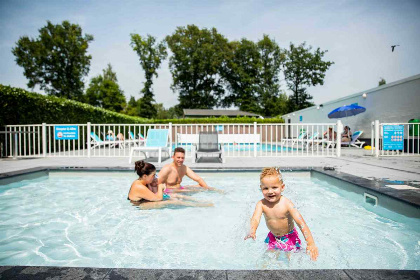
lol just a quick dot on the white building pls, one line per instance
(397, 102)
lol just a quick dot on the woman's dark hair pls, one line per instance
(143, 168)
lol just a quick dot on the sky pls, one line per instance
(357, 34)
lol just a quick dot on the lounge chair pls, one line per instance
(355, 142)
(292, 141)
(139, 141)
(311, 140)
(98, 142)
(95, 141)
(208, 144)
(156, 141)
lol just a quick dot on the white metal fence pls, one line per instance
(116, 140)
(395, 139)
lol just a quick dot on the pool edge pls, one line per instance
(43, 272)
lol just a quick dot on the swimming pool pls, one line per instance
(84, 219)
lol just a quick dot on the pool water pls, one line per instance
(84, 219)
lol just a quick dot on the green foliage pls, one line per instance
(133, 107)
(18, 106)
(104, 92)
(197, 56)
(109, 74)
(303, 68)
(151, 55)
(162, 113)
(381, 82)
(223, 119)
(57, 60)
(273, 101)
(241, 73)
(252, 72)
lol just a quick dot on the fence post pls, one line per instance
(339, 131)
(376, 138)
(44, 139)
(255, 143)
(88, 138)
(372, 137)
(170, 139)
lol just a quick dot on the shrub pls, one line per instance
(18, 106)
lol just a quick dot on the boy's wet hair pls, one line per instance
(271, 171)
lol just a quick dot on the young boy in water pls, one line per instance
(280, 216)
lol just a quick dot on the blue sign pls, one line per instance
(66, 132)
(219, 127)
(393, 137)
(300, 118)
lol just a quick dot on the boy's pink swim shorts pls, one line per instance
(287, 242)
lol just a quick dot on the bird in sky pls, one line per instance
(393, 47)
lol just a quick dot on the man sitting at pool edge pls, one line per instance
(171, 175)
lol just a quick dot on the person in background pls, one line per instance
(346, 135)
(111, 136)
(330, 133)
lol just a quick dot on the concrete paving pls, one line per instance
(357, 162)
(24, 272)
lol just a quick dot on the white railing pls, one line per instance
(263, 140)
(116, 140)
(395, 139)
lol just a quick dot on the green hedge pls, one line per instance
(223, 119)
(18, 106)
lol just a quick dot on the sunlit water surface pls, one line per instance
(84, 219)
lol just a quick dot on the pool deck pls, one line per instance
(45, 272)
(354, 163)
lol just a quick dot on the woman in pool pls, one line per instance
(147, 194)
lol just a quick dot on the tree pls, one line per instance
(303, 68)
(252, 72)
(241, 73)
(104, 91)
(162, 113)
(57, 60)
(133, 107)
(151, 55)
(271, 99)
(381, 82)
(109, 74)
(197, 56)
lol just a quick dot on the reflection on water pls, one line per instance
(84, 219)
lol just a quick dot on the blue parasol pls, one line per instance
(346, 111)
